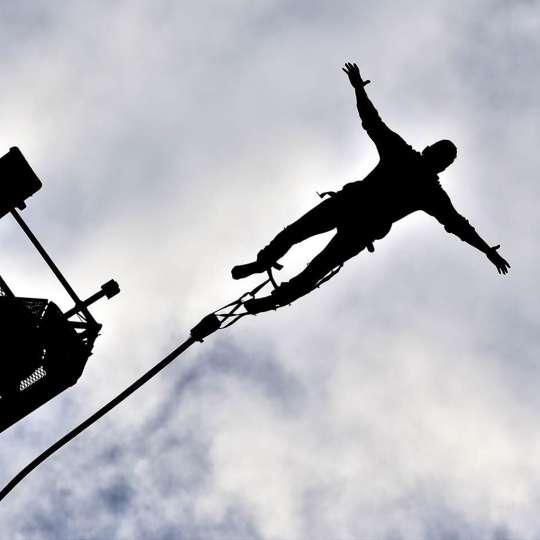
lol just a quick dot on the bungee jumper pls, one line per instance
(404, 181)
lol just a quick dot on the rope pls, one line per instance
(208, 325)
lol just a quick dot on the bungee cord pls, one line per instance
(222, 318)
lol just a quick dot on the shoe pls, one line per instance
(244, 270)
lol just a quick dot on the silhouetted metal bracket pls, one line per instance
(17, 181)
(44, 350)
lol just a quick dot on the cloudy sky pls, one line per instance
(174, 139)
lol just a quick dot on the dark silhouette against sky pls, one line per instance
(404, 181)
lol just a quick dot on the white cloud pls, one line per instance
(399, 400)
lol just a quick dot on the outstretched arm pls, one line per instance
(455, 223)
(378, 131)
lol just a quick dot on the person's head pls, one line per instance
(440, 155)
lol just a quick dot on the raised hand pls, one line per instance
(353, 73)
(500, 263)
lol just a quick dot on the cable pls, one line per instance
(96, 416)
(207, 326)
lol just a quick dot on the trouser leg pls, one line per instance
(321, 219)
(341, 248)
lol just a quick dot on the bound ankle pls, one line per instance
(264, 258)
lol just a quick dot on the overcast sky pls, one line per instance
(174, 139)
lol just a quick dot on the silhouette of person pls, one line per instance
(362, 212)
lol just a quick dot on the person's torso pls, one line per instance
(396, 187)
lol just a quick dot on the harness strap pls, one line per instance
(326, 193)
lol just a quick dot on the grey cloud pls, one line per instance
(174, 140)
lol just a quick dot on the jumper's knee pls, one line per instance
(288, 236)
(277, 247)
